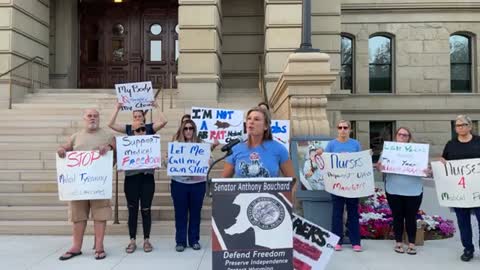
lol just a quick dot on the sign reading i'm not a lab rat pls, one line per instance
(135, 96)
(223, 125)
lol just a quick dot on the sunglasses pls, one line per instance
(461, 125)
(140, 129)
(403, 135)
(188, 128)
(342, 127)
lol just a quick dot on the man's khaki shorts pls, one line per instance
(80, 210)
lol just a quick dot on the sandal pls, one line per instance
(147, 247)
(68, 255)
(131, 248)
(411, 251)
(399, 249)
(100, 254)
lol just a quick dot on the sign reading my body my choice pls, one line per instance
(188, 159)
(405, 158)
(221, 124)
(457, 183)
(135, 96)
(349, 174)
(138, 152)
(84, 175)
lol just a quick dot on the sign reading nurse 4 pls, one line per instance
(457, 183)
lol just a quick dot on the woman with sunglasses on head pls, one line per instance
(137, 115)
(188, 193)
(464, 146)
(404, 196)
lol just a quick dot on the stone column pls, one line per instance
(199, 40)
(301, 93)
(283, 32)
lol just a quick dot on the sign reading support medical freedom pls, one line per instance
(221, 124)
(135, 96)
(313, 246)
(405, 158)
(281, 132)
(457, 182)
(348, 174)
(252, 224)
(138, 152)
(188, 159)
(84, 175)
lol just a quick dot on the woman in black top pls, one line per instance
(465, 146)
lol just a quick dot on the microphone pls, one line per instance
(228, 147)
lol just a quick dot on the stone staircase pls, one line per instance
(30, 134)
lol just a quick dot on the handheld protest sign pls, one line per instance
(135, 96)
(188, 159)
(405, 158)
(221, 124)
(138, 152)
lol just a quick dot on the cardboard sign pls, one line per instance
(221, 124)
(313, 246)
(349, 174)
(457, 182)
(252, 224)
(135, 96)
(138, 152)
(405, 158)
(84, 175)
(281, 132)
(188, 159)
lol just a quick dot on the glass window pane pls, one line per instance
(460, 76)
(346, 77)
(156, 29)
(379, 50)
(177, 51)
(117, 50)
(346, 51)
(459, 49)
(155, 50)
(379, 132)
(380, 79)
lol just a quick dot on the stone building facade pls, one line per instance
(224, 44)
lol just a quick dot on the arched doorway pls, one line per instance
(136, 40)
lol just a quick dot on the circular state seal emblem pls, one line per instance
(265, 213)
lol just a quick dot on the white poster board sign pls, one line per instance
(281, 132)
(457, 182)
(405, 158)
(138, 152)
(349, 174)
(313, 246)
(221, 124)
(84, 175)
(188, 159)
(135, 96)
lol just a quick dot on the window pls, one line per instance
(380, 64)
(460, 64)
(380, 132)
(346, 58)
(353, 130)
(474, 128)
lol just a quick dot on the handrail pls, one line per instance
(261, 80)
(22, 64)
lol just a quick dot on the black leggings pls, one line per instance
(139, 187)
(404, 212)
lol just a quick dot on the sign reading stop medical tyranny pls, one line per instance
(138, 152)
(84, 175)
(252, 224)
(135, 96)
(405, 158)
(457, 182)
(349, 174)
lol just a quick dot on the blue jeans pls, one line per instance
(188, 202)
(353, 222)
(464, 220)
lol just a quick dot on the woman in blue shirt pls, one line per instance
(404, 195)
(259, 155)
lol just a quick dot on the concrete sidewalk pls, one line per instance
(42, 252)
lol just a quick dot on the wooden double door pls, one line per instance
(128, 42)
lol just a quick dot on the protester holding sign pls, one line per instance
(344, 144)
(404, 195)
(184, 117)
(464, 146)
(138, 115)
(92, 137)
(188, 193)
(260, 155)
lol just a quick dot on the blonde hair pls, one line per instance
(344, 122)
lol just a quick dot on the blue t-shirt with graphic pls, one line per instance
(260, 161)
(335, 146)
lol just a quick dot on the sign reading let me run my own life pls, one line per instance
(138, 152)
(135, 96)
(221, 124)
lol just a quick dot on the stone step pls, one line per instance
(60, 213)
(30, 227)
(51, 199)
